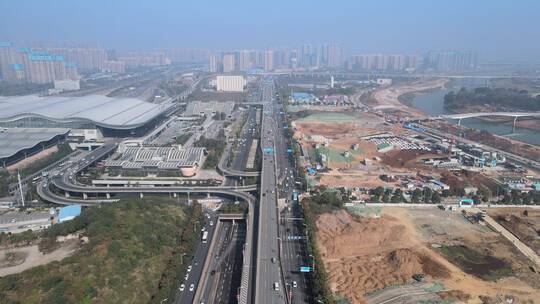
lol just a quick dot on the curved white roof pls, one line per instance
(13, 140)
(120, 113)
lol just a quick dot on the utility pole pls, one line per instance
(20, 188)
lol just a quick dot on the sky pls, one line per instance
(496, 29)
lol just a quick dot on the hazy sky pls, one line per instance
(495, 28)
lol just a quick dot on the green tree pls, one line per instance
(436, 198)
(416, 196)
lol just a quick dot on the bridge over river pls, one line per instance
(515, 115)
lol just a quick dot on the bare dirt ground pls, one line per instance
(523, 223)
(356, 172)
(30, 256)
(25, 162)
(366, 254)
(387, 98)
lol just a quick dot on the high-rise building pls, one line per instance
(114, 67)
(245, 60)
(228, 63)
(383, 62)
(9, 70)
(42, 67)
(309, 56)
(212, 63)
(145, 59)
(334, 56)
(451, 61)
(269, 60)
(187, 55)
(84, 58)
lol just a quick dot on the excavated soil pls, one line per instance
(362, 255)
(368, 254)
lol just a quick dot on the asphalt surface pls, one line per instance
(291, 226)
(269, 287)
(225, 266)
(64, 179)
(186, 296)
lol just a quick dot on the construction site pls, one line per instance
(412, 255)
(338, 150)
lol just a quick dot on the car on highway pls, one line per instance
(191, 287)
(186, 276)
(294, 284)
(189, 268)
(182, 287)
(276, 286)
(211, 223)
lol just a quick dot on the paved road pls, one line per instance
(225, 268)
(293, 250)
(269, 287)
(186, 296)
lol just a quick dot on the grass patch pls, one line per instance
(484, 266)
(364, 211)
(330, 118)
(340, 300)
(182, 139)
(335, 156)
(214, 147)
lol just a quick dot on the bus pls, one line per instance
(205, 237)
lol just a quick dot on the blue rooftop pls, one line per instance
(301, 95)
(69, 213)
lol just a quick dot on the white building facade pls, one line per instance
(230, 83)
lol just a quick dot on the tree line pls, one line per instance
(499, 97)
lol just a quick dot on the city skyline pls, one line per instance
(387, 27)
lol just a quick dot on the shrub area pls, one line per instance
(214, 147)
(133, 256)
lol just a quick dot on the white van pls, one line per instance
(276, 286)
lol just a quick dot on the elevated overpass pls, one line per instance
(68, 191)
(226, 171)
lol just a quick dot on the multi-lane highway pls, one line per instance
(185, 293)
(269, 282)
(276, 259)
(224, 269)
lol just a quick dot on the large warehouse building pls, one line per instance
(113, 116)
(230, 83)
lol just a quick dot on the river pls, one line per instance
(433, 103)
